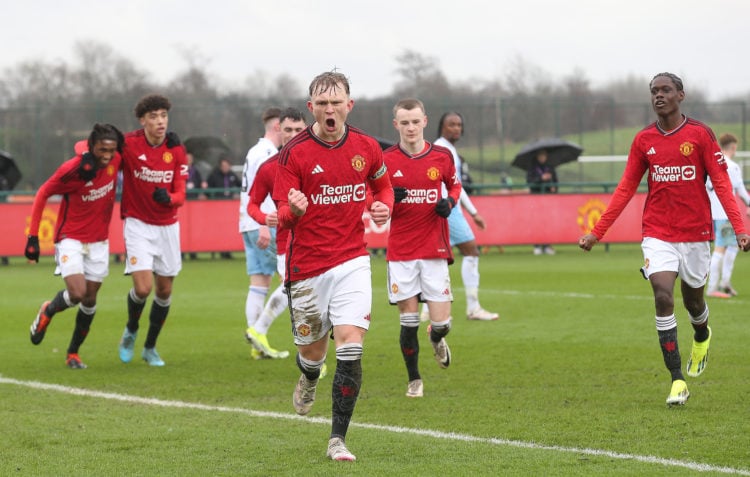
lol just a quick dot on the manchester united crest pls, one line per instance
(433, 173)
(358, 163)
(394, 288)
(303, 329)
(110, 170)
(167, 157)
(686, 148)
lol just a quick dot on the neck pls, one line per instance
(670, 121)
(332, 137)
(413, 148)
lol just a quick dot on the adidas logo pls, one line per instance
(317, 169)
(142, 157)
(398, 174)
(651, 151)
(89, 183)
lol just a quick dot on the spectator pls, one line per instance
(542, 179)
(222, 177)
(195, 183)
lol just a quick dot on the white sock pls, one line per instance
(275, 305)
(714, 270)
(470, 277)
(254, 303)
(728, 265)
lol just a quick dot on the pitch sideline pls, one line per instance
(378, 427)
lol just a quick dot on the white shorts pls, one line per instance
(280, 264)
(339, 296)
(428, 278)
(690, 260)
(152, 247)
(88, 259)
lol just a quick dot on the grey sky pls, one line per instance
(701, 41)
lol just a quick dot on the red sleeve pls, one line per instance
(625, 191)
(179, 184)
(59, 183)
(455, 187)
(382, 189)
(40, 200)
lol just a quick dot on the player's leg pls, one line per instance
(310, 327)
(403, 290)
(71, 269)
(693, 272)
(350, 308)
(662, 261)
(727, 269)
(435, 283)
(264, 266)
(259, 279)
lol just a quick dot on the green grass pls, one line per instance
(569, 381)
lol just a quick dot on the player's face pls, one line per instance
(330, 109)
(665, 98)
(410, 124)
(155, 125)
(452, 128)
(104, 151)
(290, 128)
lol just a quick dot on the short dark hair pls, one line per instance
(105, 132)
(291, 113)
(727, 139)
(270, 113)
(442, 121)
(675, 79)
(151, 102)
(329, 80)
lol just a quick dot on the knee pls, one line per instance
(664, 300)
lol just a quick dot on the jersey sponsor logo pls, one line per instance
(343, 194)
(720, 158)
(149, 175)
(672, 173)
(433, 173)
(96, 194)
(686, 148)
(358, 163)
(167, 157)
(421, 196)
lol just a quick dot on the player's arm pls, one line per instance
(291, 203)
(382, 194)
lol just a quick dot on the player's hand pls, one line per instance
(743, 240)
(264, 237)
(161, 196)
(587, 241)
(399, 194)
(444, 207)
(272, 219)
(297, 202)
(87, 167)
(479, 221)
(379, 213)
(32, 248)
(173, 140)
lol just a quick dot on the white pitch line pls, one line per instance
(395, 429)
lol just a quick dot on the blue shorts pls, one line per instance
(724, 234)
(459, 229)
(259, 261)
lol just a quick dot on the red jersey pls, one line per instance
(263, 187)
(416, 230)
(86, 207)
(677, 207)
(335, 178)
(146, 167)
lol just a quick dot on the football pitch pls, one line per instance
(569, 381)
